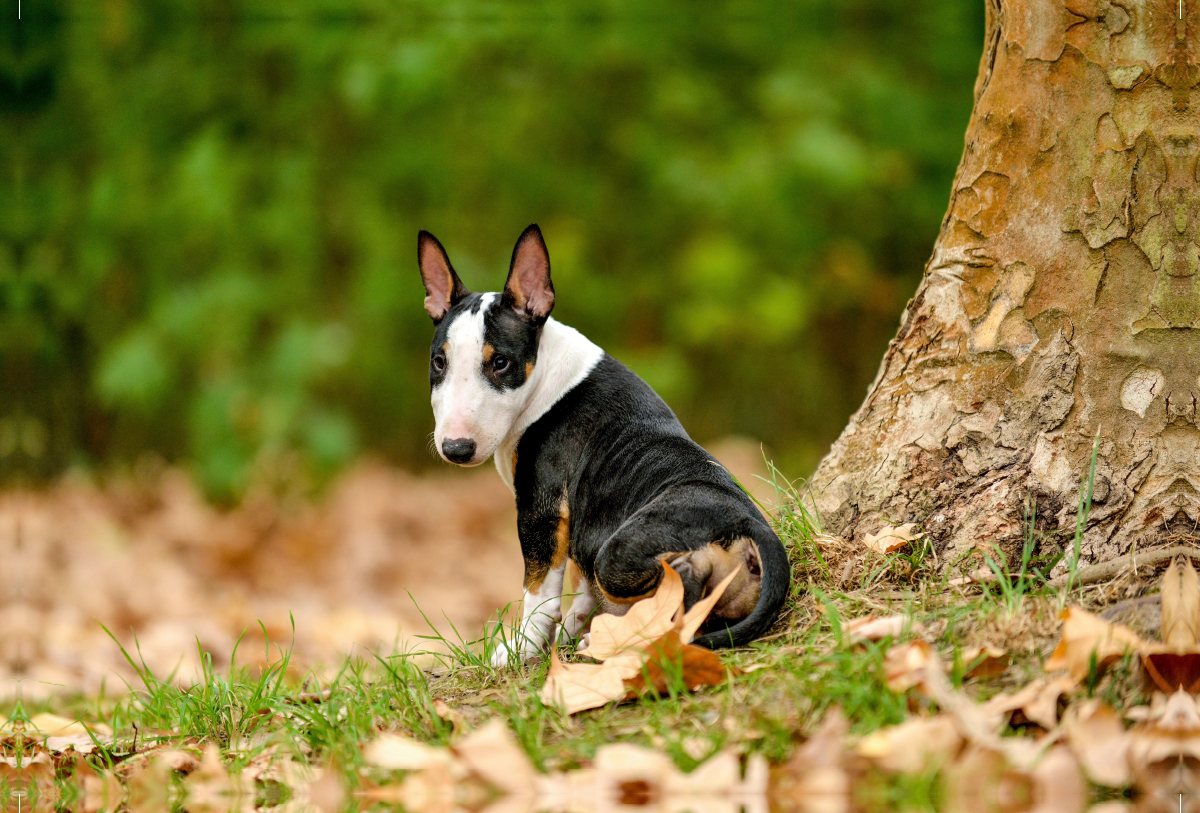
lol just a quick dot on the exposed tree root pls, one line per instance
(1102, 571)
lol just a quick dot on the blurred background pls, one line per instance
(208, 217)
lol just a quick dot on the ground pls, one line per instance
(273, 715)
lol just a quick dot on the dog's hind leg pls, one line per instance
(579, 617)
(696, 539)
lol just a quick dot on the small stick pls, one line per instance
(1114, 567)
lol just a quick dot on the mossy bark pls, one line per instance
(1061, 303)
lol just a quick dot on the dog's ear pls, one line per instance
(443, 288)
(528, 289)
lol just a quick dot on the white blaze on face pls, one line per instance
(465, 404)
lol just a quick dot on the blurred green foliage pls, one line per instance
(208, 231)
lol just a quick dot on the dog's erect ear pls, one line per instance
(528, 289)
(443, 288)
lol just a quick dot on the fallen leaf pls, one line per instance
(396, 752)
(984, 661)
(669, 660)
(914, 746)
(1037, 702)
(493, 753)
(909, 665)
(647, 620)
(1180, 605)
(213, 789)
(984, 779)
(1094, 732)
(815, 779)
(892, 539)
(1086, 637)
(442, 709)
(98, 791)
(871, 628)
(578, 686)
(1169, 670)
(1173, 732)
(645, 649)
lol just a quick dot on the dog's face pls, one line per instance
(484, 350)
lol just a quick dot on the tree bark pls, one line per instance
(1061, 302)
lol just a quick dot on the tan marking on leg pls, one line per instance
(562, 536)
(535, 577)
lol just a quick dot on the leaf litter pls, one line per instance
(1033, 748)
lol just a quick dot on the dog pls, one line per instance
(603, 472)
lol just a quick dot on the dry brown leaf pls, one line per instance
(984, 661)
(493, 753)
(647, 620)
(1180, 605)
(815, 779)
(694, 618)
(892, 539)
(324, 791)
(643, 650)
(1037, 702)
(909, 665)
(396, 752)
(442, 709)
(1094, 732)
(1086, 636)
(212, 789)
(871, 628)
(914, 746)
(98, 791)
(669, 659)
(1169, 669)
(1173, 732)
(984, 779)
(578, 686)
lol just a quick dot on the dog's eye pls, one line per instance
(439, 363)
(499, 364)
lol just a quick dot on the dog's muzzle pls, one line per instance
(458, 450)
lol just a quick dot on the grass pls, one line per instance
(783, 686)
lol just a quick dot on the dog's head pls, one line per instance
(485, 346)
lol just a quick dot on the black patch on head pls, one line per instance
(514, 345)
(468, 304)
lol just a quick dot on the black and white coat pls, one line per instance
(603, 472)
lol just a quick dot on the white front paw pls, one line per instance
(584, 640)
(501, 655)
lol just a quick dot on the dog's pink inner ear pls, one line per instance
(529, 287)
(442, 285)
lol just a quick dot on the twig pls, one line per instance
(1114, 567)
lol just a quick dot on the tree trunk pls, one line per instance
(1062, 301)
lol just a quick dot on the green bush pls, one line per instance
(209, 230)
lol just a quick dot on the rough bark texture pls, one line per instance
(1062, 300)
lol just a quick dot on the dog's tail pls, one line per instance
(776, 581)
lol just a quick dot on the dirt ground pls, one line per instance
(163, 570)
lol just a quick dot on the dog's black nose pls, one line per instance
(458, 450)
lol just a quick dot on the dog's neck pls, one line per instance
(565, 357)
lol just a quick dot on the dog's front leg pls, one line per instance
(540, 613)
